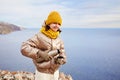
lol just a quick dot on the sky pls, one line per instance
(75, 13)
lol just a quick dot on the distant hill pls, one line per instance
(6, 28)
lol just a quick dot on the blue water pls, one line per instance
(92, 54)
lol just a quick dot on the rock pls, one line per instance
(22, 75)
(6, 28)
(62, 76)
(19, 75)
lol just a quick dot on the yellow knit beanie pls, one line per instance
(54, 17)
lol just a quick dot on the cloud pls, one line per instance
(94, 20)
(86, 13)
(89, 14)
(15, 10)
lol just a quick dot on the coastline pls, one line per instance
(6, 28)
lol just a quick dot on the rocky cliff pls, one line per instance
(6, 28)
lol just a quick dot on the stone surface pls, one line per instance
(23, 75)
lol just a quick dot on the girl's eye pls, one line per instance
(58, 23)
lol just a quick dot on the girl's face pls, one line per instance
(54, 26)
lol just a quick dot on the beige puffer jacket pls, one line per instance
(41, 42)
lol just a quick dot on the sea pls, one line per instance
(92, 53)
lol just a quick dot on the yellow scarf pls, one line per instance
(50, 33)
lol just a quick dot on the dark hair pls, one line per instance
(47, 27)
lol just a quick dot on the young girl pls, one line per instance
(46, 49)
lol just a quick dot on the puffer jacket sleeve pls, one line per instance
(63, 54)
(31, 47)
